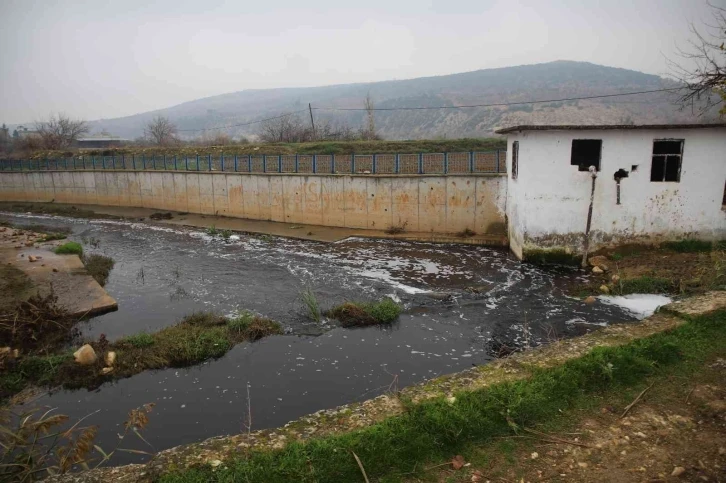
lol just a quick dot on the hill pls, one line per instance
(554, 80)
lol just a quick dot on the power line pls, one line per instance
(244, 123)
(499, 104)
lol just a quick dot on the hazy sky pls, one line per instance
(103, 58)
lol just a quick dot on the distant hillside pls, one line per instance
(552, 80)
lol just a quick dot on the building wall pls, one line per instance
(423, 203)
(547, 205)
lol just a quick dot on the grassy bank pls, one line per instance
(197, 338)
(321, 147)
(400, 448)
(361, 314)
(675, 268)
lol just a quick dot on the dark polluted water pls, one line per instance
(163, 273)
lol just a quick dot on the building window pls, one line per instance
(515, 159)
(666, 165)
(586, 153)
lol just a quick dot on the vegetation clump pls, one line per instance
(310, 301)
(99, 267)
(689, 246)
(70, 248)
(361, 314)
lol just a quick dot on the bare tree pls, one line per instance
(60, 131)
(286, 129)
(369, 132)
(161, 131)
(703, 67)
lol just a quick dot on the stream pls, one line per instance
(163, 273)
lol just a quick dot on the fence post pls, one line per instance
(221, 161)
(297, 162)
(74, 163)
(186, 163)
(93, 162)
(471, 161)
(279, 163)
(165, 162)
(497, 160)
(332, 163)
(113, 160)
(397, 164)
(446, 163)
(123, 161)
(249, 163)
(375, 163)
(352, 163)
(235, 163)
(175, 165)
(264, 163)
(420, 163)
(209, 161)
(315, 163)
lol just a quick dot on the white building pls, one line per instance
(672, 185)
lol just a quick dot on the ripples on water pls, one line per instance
(164, 272)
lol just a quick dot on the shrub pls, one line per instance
(385, 311)
(99, 267)
(70, 248)
(357, 314)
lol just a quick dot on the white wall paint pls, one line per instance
(547, 205)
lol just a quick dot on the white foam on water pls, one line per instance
(639, 305)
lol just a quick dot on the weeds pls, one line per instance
(36, 325)
(140, 340)
(34, 446)
(357, 314)
(226, 234)
(434, 430)
(466, 233)
(70, 248)
(688, 246)
(644, 284)
(311, 304)
(240, 323)
(99, 267)
(397, 229)
(212, 231)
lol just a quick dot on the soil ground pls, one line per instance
(675, 272)
(675, 432)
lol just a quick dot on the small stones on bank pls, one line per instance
(597, 270)
(590, 300)
(110, 358)
(604, 288)
(85, 356)
(615, 278)
(678, 471)
(106, 370)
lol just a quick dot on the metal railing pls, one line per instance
(421, 163)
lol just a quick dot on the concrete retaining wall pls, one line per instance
(425, 203)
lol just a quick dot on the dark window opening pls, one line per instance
(586, 153)
(723, 203)
(666, 162)
(515, 159)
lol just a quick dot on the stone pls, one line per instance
(106, 370)
(29, 243)
(604, 289)
(85, 356)
(55, 269)
(597, 270)
(110, 358)
(678, 471)
(615, 278)
(599, 261)
(590, 300)
(31, 258)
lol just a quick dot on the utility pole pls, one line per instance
(312, 121)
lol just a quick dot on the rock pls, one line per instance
(55, 269)
(31, 258)
(110, 358)
(615, 278)
(590, 300)
(29, 243)
(85, 356)
(599, 261)
(678, 471)
(534, 455)
(597, 270)
(604, 289)
(106, 370)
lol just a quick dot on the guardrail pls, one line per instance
(421, 163)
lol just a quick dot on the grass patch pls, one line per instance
(434, 430)
(358, 314)
(644, 284)
(70, 248)
(99, 267)
(688, 246)
(195, 339)
(212, 231)
(550, 256)
(140, 340)
(310, 301)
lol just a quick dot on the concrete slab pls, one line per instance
(698, 305)
(64, 275)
